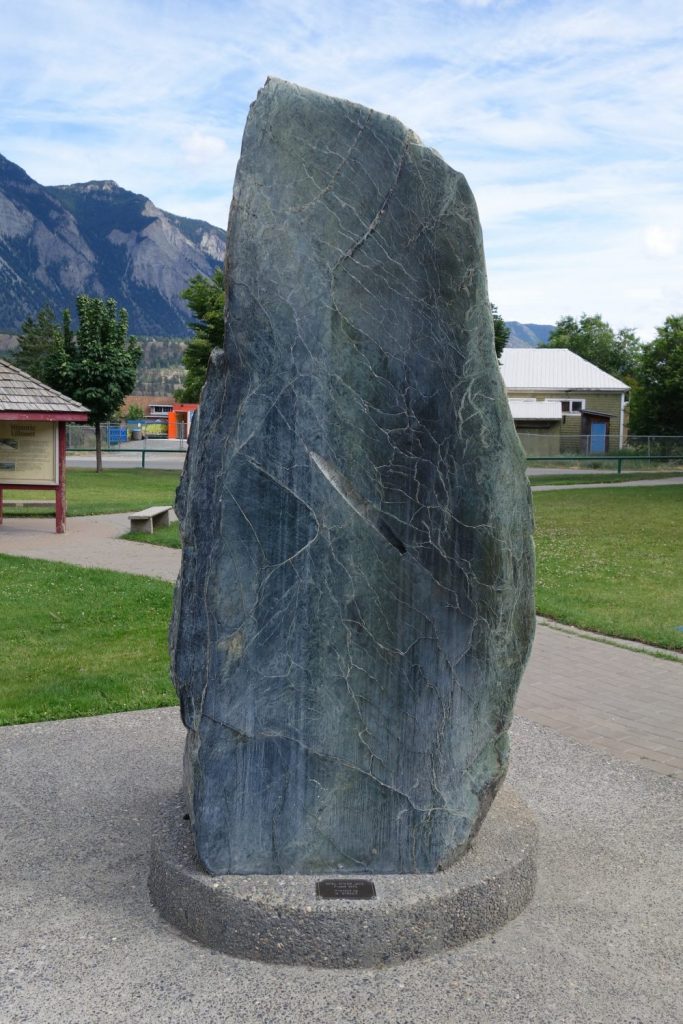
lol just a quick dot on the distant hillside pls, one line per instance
(160, 371)
(8, 342)
(98, 238)
(527, 335)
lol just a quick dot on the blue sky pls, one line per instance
(565, 117)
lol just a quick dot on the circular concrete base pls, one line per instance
(279, 919)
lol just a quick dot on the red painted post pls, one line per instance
(60, 494)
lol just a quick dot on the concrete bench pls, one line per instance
(145, 521)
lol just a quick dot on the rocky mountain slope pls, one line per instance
(59, 241)
(527, 335)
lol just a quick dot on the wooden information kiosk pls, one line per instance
(33, 420)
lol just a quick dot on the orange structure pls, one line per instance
(180, 419)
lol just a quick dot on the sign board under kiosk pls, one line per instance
(28, 453)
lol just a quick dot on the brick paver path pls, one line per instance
(621, 701)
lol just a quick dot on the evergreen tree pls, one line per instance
(206, 298)
(37, 342)
(97, 365)
(501, 331)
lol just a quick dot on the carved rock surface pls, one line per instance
(355, 604)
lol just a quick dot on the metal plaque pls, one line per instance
(345, 889)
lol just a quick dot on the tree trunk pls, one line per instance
(98, 448)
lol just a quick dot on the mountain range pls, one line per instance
(59, 241)
(527, 335)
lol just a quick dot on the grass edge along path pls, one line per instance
(81, 641)
(608, 561)
(612, 641)
(569, 479)
(164, 536)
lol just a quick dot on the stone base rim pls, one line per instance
(278, 918)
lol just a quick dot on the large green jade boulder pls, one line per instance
(355, 605)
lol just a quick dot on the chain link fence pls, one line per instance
(639, 452)
(652, 446)
(139, 433)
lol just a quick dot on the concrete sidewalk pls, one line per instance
(90, 541)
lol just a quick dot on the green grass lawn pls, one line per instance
(88, 641)
(80, 641)
(166, 536)
(113, 490)
(610, 560)
(598, 478)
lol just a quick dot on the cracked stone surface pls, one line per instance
(355, 604)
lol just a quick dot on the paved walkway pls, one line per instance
(666, 482)
(616, 699)
(90, 541)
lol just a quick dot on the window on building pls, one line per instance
(573, 405)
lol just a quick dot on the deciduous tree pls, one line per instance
(657, 401)
(97, 365)
(592, 338)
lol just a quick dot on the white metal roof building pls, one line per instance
(561, 402)
(553, 369)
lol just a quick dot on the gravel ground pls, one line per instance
(81, 944)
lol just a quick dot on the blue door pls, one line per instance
(598, 436)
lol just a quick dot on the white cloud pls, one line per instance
(662, 241)
(202, 148)
(565, 115)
